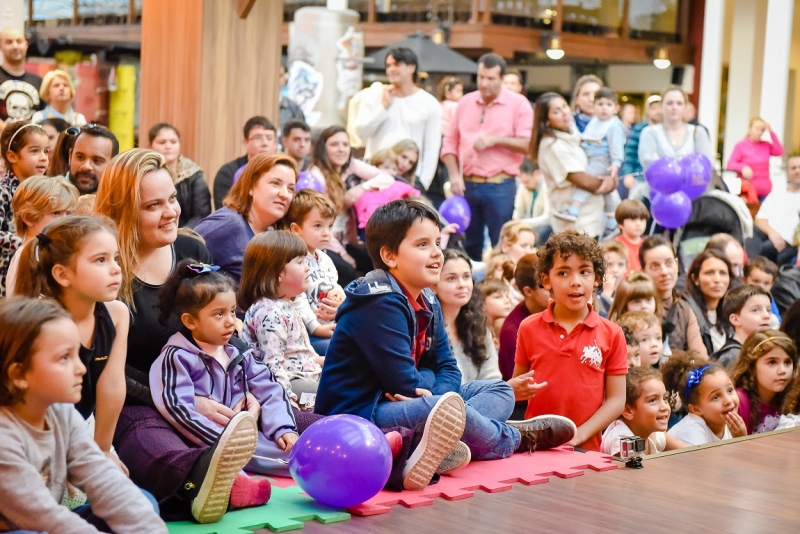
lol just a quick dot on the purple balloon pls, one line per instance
(306, 180)
(665, 176)
(239, 172)
(671, 211)
(697, 173)
(456, 210)
(341, 461)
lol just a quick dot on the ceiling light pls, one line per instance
(661, 58)
(553, 48)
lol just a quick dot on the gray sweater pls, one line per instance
(36, 464)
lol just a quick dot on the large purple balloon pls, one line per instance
(456, 210)
(238, 173)
(671, 211)
(341, 461)
(306, 180)
(697, 173)
(665, 175)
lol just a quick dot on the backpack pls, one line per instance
(787, 287)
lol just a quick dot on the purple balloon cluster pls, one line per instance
(306, 180)
(673, 186)
(456, 210)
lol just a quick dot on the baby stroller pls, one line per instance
(712, 213)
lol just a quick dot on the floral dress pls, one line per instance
(9, 240)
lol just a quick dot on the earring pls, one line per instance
(280, 278)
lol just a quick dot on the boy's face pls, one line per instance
(633, 229)
(755, 315)
(315, 230)
(634, 358)
(650, 344)
(572, 282)
(418, 260)
(616, 266)
(759, 278)
(604, 108)
(530, 181)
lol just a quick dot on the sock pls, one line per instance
(395, 442)
(574, 210)
(250, 491)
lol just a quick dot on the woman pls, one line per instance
(59, 92)
(556, 147)
(194, 197)
(660, 263)
(583, 99)
(706, 284)
(407, 157)
(53, 127)
(256, 202)
(750, 157)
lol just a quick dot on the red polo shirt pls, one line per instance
(574, 365)
(423, 320)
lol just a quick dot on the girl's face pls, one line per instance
(338, 149)
(756, 130)
(455, 283)
(672, 106)
(651, 410)
(406, 160)
(216, 322)
(389, 166)
(660, 265)
(94, 273)
(59, 91)
(559, 116)
(293, 279)
(642, 305)
(168, 144)
(650, 344)
(713, 278)
(616, 266)
(773, 373)
(522, 246)
(159, 210)
(497, 305)
(716, 398)
(455, 93)
(32, 158)
(272, 194)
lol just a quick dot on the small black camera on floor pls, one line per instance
(631, 450)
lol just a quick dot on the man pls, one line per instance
(733, 252)
(93, 149)
(631, 169)
(19, 89)
(513, 81)
(778, 219)
(260, 137)
(296, 141)
(487, 141)
(400, 111)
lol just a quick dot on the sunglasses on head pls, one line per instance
(202, 268)
(75, 130)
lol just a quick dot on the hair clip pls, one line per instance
(42, 241)
(202, 268)
(695, 375)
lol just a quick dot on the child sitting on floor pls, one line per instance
(761, 272)
(747, 308)
(646, 328)
(496, 306)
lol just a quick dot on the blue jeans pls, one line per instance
(320, 344)
(489, 405)
(492, 206)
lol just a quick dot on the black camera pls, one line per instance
(631, 450)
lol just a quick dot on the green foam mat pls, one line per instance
(286, 510)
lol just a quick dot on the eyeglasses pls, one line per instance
(202, 268)
(75, 130)
(262, 137)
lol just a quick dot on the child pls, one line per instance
(45, 441)
(38, 201)
(404, 369)
(634, 355)
(516, 239)
(616, 259)
(570, 344)
(632, 216)
(371, 200)
(311, 217)
(531, 204)
(762, 376)
(636, 292)
(747, 309)
(386, 160)
(761, 272)
(496, 305)
(646, 414)
(708, 394)
(24, 149)
(74, 260)
(498, 266)
(646, 328)
(604, 144)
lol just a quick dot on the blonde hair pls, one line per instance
(674, 88)
(119, 198)
(635, 286)
(40, 195)
(382, 156)
(49, 78)
(85, 204)
(510, 231)
(636, 321)
(504, 262)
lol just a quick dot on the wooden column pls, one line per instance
(206, 71)
(625, 23)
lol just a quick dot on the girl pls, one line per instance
(646, 414)
(201, 361)
(45, 442)
(385, 160)
(517, 239)
(274, 272)
(74, 260)
(707, 282)
(636, 292)
(369, 201)
(465, 321)
(24, 147)
(762, 376)
(450, 91)
(407, 157)
(750, 157)
(496, 305)
(38, 201)
(708, 394)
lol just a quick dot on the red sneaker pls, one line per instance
(250, 491)
(395, 442)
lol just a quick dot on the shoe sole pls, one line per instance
(567, 218)
(522, 424)
(443, 429)
(459, 458)
(235, 449)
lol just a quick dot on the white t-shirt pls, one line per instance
(693, 430)
(781, 209)
(618, 429)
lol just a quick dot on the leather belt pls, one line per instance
(498, 178)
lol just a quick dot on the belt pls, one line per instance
(498, 178)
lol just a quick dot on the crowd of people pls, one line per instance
(196, 346)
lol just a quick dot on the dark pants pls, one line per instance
(320, 344)
(492, 206)
(760, 245)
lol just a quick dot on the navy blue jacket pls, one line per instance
(370, 351)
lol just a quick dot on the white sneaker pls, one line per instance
(459, 457)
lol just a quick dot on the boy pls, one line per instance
(634, 355)
(579, 355)
(646, 329)
(761, 272)
(311, 217)
(616, 257)
(390, 362)
(604, 144)
(747, 308)
(632, 216)
(531, 205)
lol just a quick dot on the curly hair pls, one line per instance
(567, 243)
(675, 372)
(743, 372)
(634, 380)
(791, 401)
(471, 321)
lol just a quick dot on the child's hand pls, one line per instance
(613, 170)
(114, 458)
(450, 229)
(320, 360)
(578, 439)
(736, 424)
(525, 387)
(250, 403)
(419, 392)
(326, 309)
(287, 441)
(336, 295)
(219, 413)
(629, 181)
(325, 330)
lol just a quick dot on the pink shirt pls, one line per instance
(508, 115)
(756, 155)
(370, 201)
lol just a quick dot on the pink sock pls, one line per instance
(395, 442)
(249, 491)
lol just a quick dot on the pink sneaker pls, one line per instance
(395, 442)
(250, 491)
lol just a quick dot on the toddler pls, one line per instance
(646, 328)
(371, 200)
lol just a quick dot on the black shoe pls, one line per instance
(544, 432)
(209, 483)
